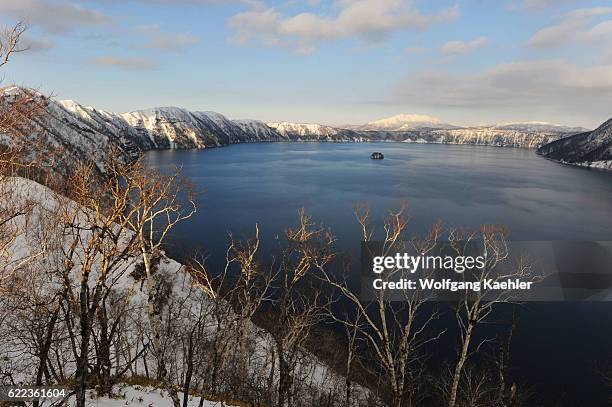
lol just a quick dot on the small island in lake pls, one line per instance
(377, 156)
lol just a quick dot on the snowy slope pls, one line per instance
(492, 136)
(64, 137)
(312, 377)
(139, 396)
(173, 127)
(591, 148)
(260, 130)
(313, 131)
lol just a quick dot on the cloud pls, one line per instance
(158, 40)
(575, 26)
(56, 17)
(130, 63)
(250, 3)
(600, 31)
(526, 86)
(415, 50)
(367, 20)
(461, 47)
(538, 4)
(37, 44)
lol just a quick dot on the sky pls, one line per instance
(466, 62)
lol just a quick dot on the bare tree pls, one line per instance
(352, 354)
(250, 288)
(394, 333)
(11, 41)
(158, 203)
(17, 109)
(98, 245)
(234, 294)
(16, 112)
(476, 307)
(300, 303)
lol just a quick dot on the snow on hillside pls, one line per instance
(62, 137)
(259, 129)
(604, 165)
(491, 136)
(143, 396)
(311, 375)
(314, 132)
(590, 148)
(303, 129)
(67, 133)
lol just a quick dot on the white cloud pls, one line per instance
(250, 3)
(461, 47)
(367, 20)
(156, 39)
(56, 17)
(37, 44)
(575, 26)
(600, 31)
(130, 63)
(539, 4)
(589, 12)
(557, 86)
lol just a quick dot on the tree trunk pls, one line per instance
(82, 360)
(189, 372)
(44, 352)
(271, 378)
(284, 385)
(348, 392)
(460, 363)
(104, 360)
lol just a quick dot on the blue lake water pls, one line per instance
(267, 183)
(462, 185)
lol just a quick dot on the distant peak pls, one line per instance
(403, 121)
(408, 118)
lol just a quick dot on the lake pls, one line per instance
(267, 183)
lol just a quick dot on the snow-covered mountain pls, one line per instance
(494, 136)
(404, 122)
(110, 125)
(590, 148)
(259, 129)
(74, 133)
(67, 133)
(312, 131)
(173, 127)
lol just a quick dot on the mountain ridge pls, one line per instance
(82, 132)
